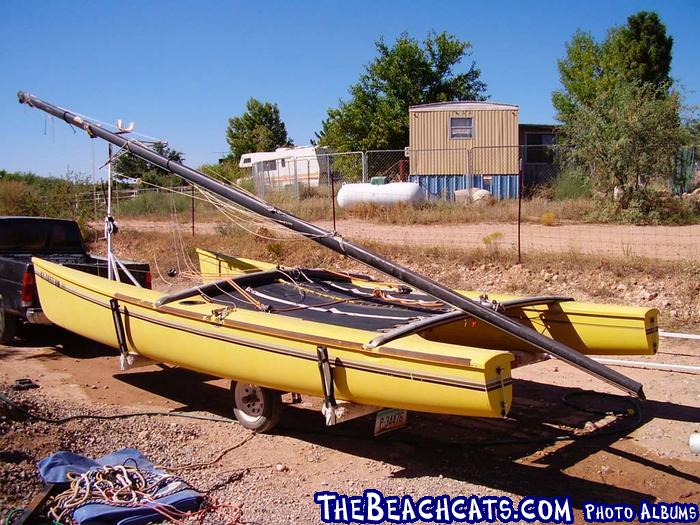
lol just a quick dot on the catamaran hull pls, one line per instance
(278, 352)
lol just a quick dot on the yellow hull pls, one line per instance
(280, 352)
(592, 329)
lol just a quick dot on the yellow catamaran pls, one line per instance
(417, 346)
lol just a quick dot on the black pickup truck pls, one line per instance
(56, 240)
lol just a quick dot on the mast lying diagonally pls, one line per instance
(345, 247)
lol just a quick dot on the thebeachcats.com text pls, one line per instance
(374, 507)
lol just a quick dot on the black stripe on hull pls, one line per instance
(492, 385)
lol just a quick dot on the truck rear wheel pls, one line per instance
(8, 326)
(256, 408)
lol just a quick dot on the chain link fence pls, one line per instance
(519, 216)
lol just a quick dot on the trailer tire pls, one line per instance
(256, 408)
(8, 326)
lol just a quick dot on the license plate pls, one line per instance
(390, 419)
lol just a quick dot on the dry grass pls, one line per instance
(444, 212)
(319, 206)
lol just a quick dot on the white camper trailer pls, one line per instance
(285, 167)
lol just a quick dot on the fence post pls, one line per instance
(296, 179)
(328, 174)
(520, 202)
(364, 166)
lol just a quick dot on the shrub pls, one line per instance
(571, 184)
(548, 219)
(155, 203)
(650, 206)
(18, 198)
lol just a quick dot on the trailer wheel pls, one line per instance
(256, 408)
(8, 326)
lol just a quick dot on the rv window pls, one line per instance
(282, 163)
(269, 165)
(246, 160)
(461, 128)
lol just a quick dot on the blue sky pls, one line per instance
(180, 69)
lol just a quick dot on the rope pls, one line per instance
(244, 293)
(127, 486)
(191, 466)
(381, 294)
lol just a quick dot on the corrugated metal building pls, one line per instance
(457, 145)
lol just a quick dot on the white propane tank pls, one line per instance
(694, 442)
(380, 194)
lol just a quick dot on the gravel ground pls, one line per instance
(273, 477)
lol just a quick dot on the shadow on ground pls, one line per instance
(485, 452)
(58, 343)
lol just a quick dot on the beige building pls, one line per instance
(455, 138)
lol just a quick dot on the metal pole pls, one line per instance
(333, 202)
(108, 218)
(192, 186)
(520, 206)
(332, 241)
(364, 166)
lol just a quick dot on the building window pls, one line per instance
(461, 128)
(269, 165)
(539, 148)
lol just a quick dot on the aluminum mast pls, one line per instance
(345, 247)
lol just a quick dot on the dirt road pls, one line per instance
(661, 242)
(275, 476)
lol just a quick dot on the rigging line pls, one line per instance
(113, 127)
(331, 310)
(232, 209)
(155, 262)
(239, 187)
(175, 231)
(328, 295)
(301, 272)
(302, 293)
(306, 307)
(244, 293)
(239, 218)
(228, 210)
(213, 300)
(185, 257)
(177, 253)
(257, 220)
(245, 296)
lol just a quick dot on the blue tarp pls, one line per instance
(54, 469)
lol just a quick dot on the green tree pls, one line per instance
(620, 117)
(639, 52)
(128, 166)
(402, 75)
(627, 137)
(259, 128)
